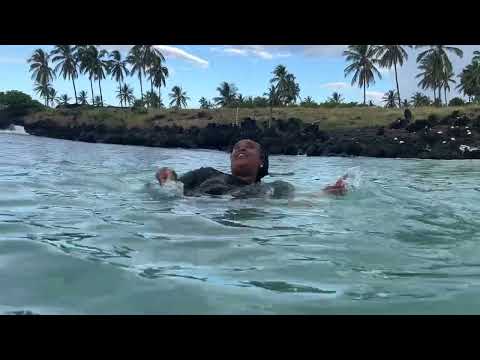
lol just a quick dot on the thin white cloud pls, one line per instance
(268, 52)
(336, 85)
(167, 51)
(11, 60)
(234, 51)
(258, 51)
(176, 52)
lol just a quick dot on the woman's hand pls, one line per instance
(165, 174)
(339, 188)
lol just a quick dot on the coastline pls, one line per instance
(452, 136)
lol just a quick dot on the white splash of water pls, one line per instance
(15, 130)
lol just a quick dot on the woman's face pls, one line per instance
(245, 158)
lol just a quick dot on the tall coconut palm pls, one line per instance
(362, 62)
(42, 73)
(153, 56)
(470, 80)
(136, 58)
(82, 97)
(447, 78)
(292, 90)
(228, 94)
(117, 67)
(158, 74)
(179, 97)
(280, 80)
(100, 67)
(391, 55)
(430, 76)
(442, 61)
(390, 99)
(66, 59)
(86, 57)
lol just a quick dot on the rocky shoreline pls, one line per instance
(453, 137)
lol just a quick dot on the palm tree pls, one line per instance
(281, 82)
(470, 80)
(152, 99)
(42, 73)
(52, 94)
(363, 61)
(308, 102)
(442, 62)
(65, 56)
(86, 57)
(292, 90)
(336, 98)
(431, 73)
(43, 90)
(391, 55)
(228, 94)
(117, 67)
(82, 97)
(390, 99)
(204, 103)
(419, 99)
(100, 68)
(136, 57)
(125, 95)
(447, 78)
(98, 101)
(476, 56)
(153, 57)
(63, 99)
(273, 100)
(405, 103)
(158, 74)
(179, 97)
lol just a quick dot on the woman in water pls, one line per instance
(249, 164)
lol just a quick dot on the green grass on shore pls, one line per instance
(326, 118)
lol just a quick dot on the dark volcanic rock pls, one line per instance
(432, 138)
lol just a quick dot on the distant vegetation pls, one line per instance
(18, 102)
(147, 64)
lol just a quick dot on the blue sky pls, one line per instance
(199, 69)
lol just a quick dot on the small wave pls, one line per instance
(15, 130)
(284, 287)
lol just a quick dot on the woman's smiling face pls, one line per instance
(246, 157)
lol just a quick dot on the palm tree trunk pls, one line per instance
(159, 97)
(364, 92)
(434, 94)
(398, 89)
(141, 87)
(75, 91)
(100, 87)
(91, 88)
(440, 94)
(446, 104)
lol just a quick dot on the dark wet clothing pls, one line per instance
(209, 181)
